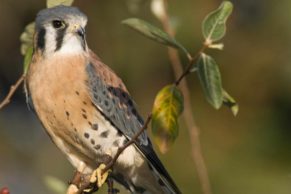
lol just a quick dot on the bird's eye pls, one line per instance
(58, 24)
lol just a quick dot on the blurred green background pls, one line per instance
(246, 154)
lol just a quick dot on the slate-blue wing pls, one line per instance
(110, 96)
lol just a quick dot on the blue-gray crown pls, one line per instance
(60, 12)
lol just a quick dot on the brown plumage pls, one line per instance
(85, 107)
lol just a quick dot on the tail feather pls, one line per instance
(161, 174)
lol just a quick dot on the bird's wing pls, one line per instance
(110, 96)
(112, 99)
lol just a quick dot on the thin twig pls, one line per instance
(188, 113)
(12, 90)
(131, 141)
(192, 62)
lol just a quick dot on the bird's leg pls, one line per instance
(98, 176)
(80, 182)
(77, 179)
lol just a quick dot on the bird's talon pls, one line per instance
(93, 178)
(98, 177)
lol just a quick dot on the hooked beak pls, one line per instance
(80, 31)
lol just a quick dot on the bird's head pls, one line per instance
(60, 29)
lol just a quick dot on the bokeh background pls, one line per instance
(250, 153)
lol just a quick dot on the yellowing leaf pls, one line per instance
(53, 3)
(168, 106)
(27, 59)
(213, 27)
(26, 38)
(230, 103)
(210, 79)
(153, 33)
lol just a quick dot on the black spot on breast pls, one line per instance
(95, 126)
(92, 141)
(104, 134)
(68, 114)
(86, 135)
(83, 110)
(85, 103)
(77, 93)
(84, 116)
(75, 129)
(97, 147)
(116, 143)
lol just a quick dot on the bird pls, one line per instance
(85, 107)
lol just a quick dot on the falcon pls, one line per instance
(85, 107)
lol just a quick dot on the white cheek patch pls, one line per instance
(71, 45)
(50, 40)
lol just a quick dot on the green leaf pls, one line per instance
(168, 106)
(210, 79)
(53, 3)
(213, 27)
(55, 185)
(26, 38)
(27, 59)
(230, 103)
(153, 33)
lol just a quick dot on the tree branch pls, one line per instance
(12, 90)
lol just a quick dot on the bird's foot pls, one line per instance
(98, 176)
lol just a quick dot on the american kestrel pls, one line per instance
(85, 107)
